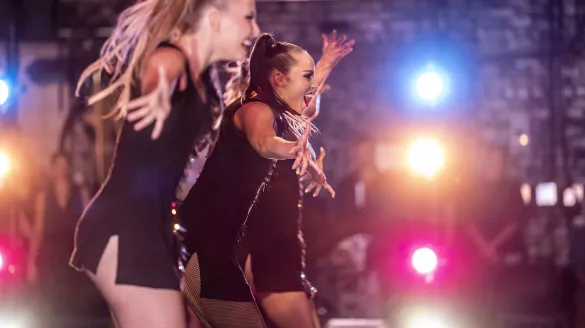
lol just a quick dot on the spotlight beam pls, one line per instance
(430, 86)
(4, 92)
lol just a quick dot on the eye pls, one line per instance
(308, 76)
(251, 16)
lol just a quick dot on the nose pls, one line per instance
(255, 29)
(312, 89)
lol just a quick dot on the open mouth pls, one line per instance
(248, 43)
(311, 92)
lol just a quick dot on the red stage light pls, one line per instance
(424, 260)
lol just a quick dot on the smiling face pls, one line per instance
(229, 25)
(281, 73)
(236, 28)
(293, 86)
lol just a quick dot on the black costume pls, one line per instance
(214, 214)
(134, 202)
(274, 236)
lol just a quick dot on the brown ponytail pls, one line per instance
(268, 55)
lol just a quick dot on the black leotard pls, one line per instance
(274, 235)
(135, 201)
(214, 214)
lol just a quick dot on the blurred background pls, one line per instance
(455, 135)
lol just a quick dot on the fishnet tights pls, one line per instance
(217, 313)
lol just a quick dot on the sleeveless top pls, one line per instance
(215, 210)
(135, 201)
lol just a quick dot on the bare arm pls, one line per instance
(334, 50)
(164, 71)
(173, 63)
(256, 120)
(322, 71)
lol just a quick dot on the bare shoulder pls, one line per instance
(253, 113)
(170, 58)
(256, 108)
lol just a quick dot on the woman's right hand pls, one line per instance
(300, 150)
(153, 107)
(317, 176)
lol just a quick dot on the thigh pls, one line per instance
(218, 313)
(289, 309)
(136, 306)
(249, 273)
(147, 307)
(316, 319)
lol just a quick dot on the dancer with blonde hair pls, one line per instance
(159, 63)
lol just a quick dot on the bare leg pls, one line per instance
(134, 306)
(285, 310)
(288, 310)
(218, 313)
(316, 320)
(192, 320)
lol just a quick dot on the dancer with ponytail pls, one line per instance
(235, 175)
(273, 248)
(159, 62)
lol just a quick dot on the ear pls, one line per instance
(278, 78)
(175, 35)
(214, 18)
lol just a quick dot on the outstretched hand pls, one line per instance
(153, 107)
(319, 180)
(300, 150)
(334, 49)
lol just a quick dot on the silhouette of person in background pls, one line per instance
(58, 206)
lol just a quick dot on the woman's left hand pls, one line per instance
(334, 49)
(300, 150)
(153, 107)
(319, 180)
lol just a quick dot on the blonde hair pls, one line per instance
(237, 84)
(139, 31)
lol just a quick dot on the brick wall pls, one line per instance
(505, 44)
